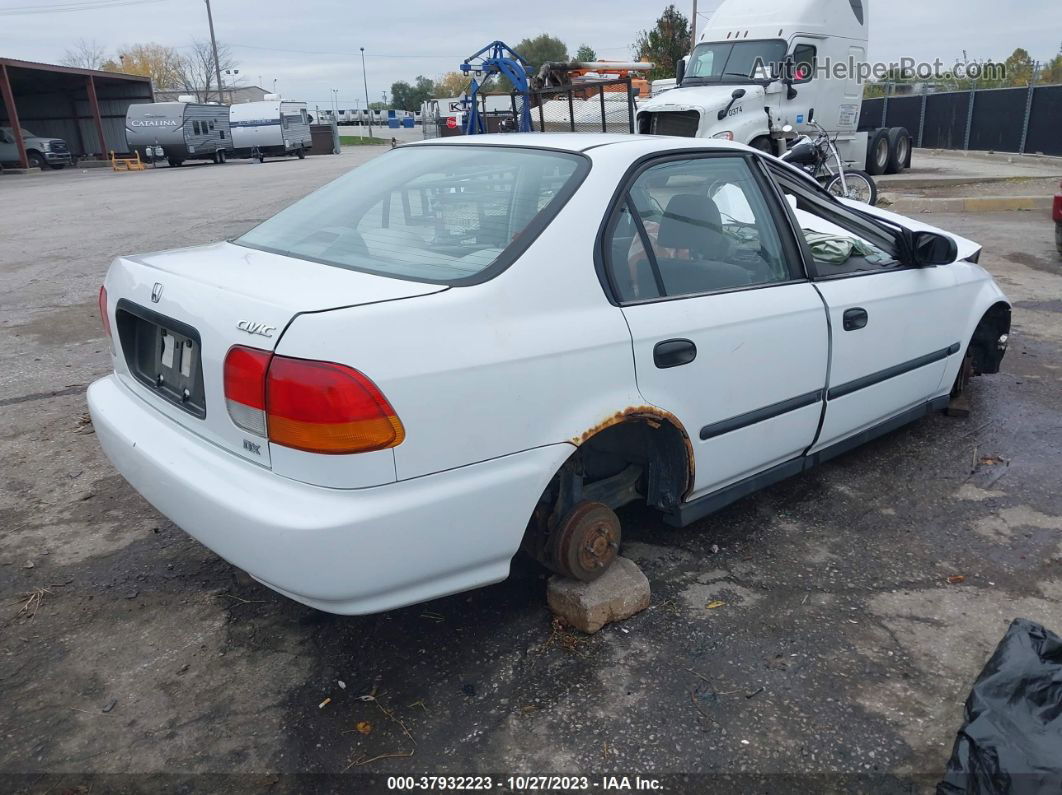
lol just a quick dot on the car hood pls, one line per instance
(702, 98)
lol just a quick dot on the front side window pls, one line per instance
(841, 241)
(735, 61)
(693, 226)
(434, 213)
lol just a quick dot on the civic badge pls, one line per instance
(156, 292)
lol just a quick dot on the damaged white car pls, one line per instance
(377, 396)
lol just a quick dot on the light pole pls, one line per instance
(365, 83)
(214, 45)
(335, 104)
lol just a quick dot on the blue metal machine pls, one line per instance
(497, 58)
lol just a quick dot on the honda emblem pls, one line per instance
(156, 292)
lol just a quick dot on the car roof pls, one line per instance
(581, 142)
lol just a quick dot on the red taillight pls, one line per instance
(245, 379)
(104, 317)
(320, 407)
(323, 407)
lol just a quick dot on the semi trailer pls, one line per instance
(763, 65)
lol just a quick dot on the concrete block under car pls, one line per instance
(619, 593)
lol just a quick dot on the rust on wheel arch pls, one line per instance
(653, 416)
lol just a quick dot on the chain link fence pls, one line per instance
(589, 106)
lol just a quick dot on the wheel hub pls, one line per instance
(586, 541)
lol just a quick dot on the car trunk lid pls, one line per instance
(176, 314)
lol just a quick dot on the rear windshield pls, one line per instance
(442, 214)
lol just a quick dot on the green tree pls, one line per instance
(1019, 67)
(1052, 72)
(542, 48)
(665, 44)
(585, 53)
(410, 97)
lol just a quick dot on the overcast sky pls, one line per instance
(311, 46)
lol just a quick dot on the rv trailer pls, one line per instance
(179, 131)
(272, 127)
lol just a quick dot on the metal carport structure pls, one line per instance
(84, 107)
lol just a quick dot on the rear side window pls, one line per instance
(694, 226)
(436, 213)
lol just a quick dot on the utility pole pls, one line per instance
(214, 44)
(365, 83)
(693, 27)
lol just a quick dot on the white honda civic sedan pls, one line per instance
(465, 347)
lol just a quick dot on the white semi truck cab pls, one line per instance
(761, 65)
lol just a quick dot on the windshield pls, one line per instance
(430, 213)
(11, 133)
(735, 61)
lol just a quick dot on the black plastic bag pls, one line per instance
(1011, 742)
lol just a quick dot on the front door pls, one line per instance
(728, 334)
(894, 327)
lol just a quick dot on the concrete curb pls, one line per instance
(978, 204)
(889, 182)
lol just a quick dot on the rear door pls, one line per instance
(728, 333)
(893, 326)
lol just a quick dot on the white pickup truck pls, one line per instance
(763, 64)
(39, 151)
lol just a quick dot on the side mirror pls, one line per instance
(737, 94)
(787, 77)
(930, 249)
(680, 71)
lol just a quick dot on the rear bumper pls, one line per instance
(344, 551)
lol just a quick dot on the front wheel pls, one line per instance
(1058, 236)
(302, 154)
(861, 187)
(34, 159)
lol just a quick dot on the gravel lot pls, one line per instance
(127, 649)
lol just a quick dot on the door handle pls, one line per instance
(674, 353)
(855, 318)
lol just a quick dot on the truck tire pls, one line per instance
(878, 151)
(899, 149)
(1058, 237)
(302, 154)
(34, 159)
(763, 143)
(174, 162)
